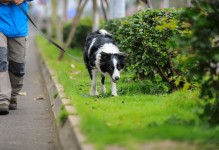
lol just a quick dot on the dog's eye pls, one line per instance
(111, 67)
(118, 67)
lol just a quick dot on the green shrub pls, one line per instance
(203, 44)
(84, 27)
(144, 37)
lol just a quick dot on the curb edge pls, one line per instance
(70, 136)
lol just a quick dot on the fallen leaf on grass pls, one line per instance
(75, 72)
(72, 66)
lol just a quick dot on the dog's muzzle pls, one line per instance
(116, 79)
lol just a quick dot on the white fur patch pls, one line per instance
(116, 72)
(104, 32)
(107, 48)
(114, 89)
(103, 89)
(93, 90)
(91, 45)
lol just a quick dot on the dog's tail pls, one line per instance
(104, 32)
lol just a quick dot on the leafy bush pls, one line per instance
(144, 37)
(84, 27)
(203, 44)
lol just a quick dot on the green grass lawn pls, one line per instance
(132, 118)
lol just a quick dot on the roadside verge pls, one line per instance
(69, 134)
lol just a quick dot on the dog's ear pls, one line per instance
(122, 56)
(122, 59)
(105, 55)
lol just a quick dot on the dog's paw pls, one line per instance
(93, 93)
(103, 89)
(114, 94)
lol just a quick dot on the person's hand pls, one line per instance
(17, 2)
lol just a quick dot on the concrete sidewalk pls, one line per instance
(31, 126)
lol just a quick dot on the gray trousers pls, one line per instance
(12, 66)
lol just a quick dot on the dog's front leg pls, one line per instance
(103, 88)
(114, 90)
(93, 90)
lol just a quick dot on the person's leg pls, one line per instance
(5, 86)
(17, 51)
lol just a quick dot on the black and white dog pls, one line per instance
(102, 54)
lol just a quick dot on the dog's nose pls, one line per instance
(117, 78)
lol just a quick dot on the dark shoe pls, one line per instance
(13, 104)
(4, 110)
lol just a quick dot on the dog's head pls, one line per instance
(112, 64)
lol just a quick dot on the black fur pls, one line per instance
(101, 39)
(102, 54)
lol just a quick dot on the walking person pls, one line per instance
(13, 44)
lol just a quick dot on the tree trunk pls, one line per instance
(170, 81)
(189, 3)
(75, 21)
(49, 19)
(59, 29)
(65, 10)
(61, 22)
(162, 74)
(117, 9)
(170, 65)
(149, 4)
(54, 16)
(104, 9)
(107, 4)
(95, 15)
(166, 3)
